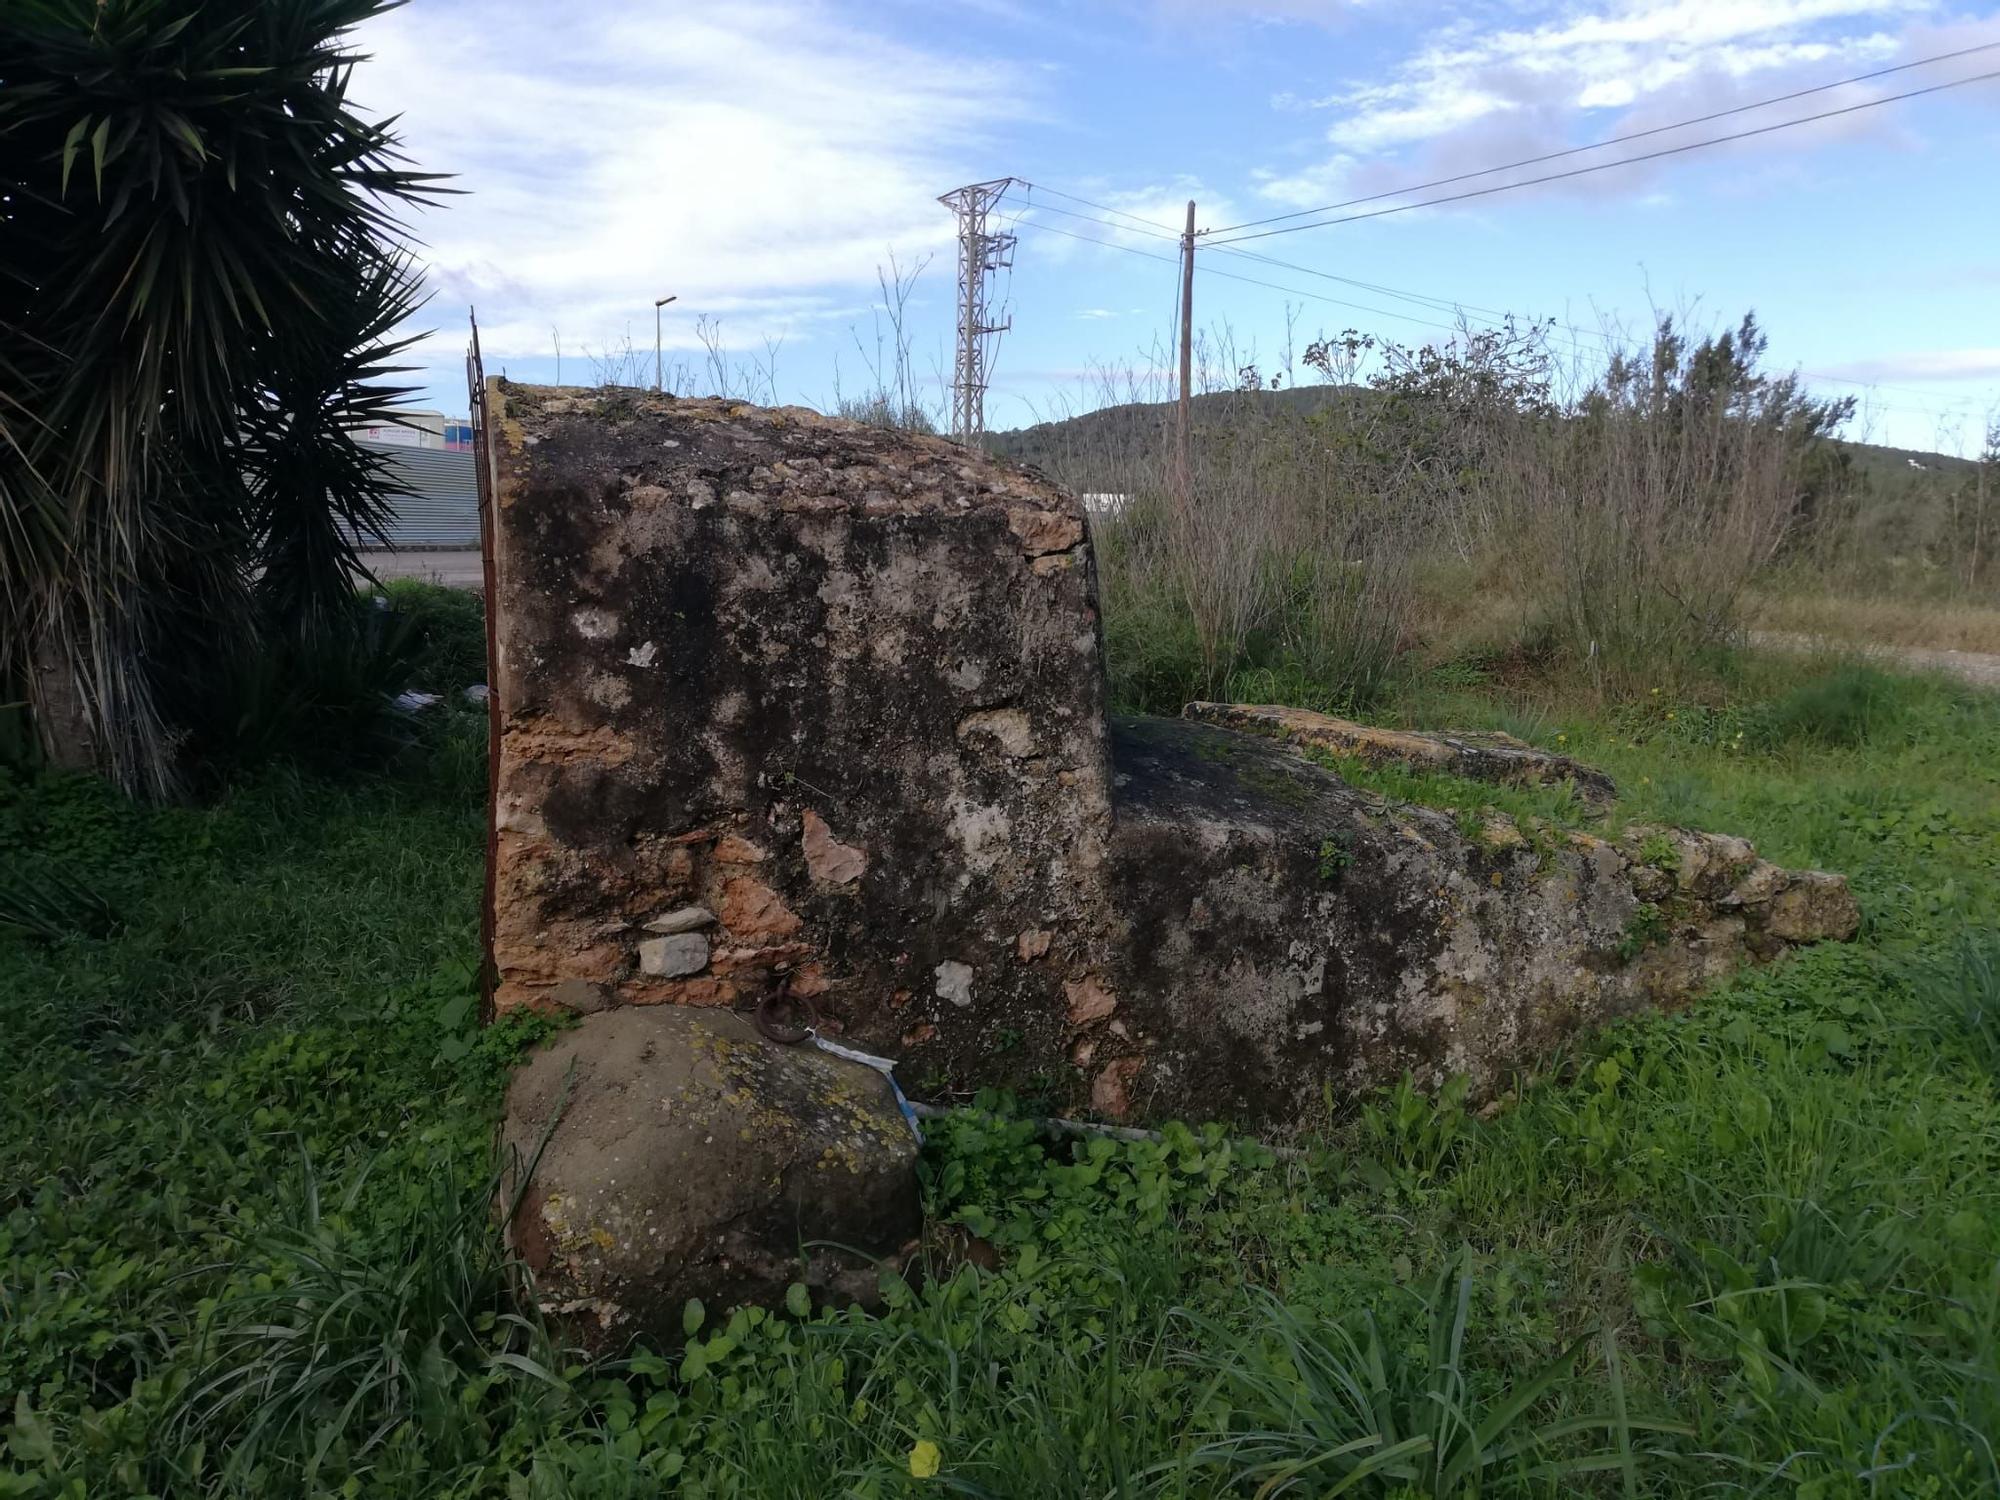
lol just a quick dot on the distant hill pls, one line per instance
(1083, 449)
(1077, 448)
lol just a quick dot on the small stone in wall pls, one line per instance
(580, 996)
(687, 919)
(595, 624)
(829, 861)
(1813, 905)
(1007, 727)
(732, 850)
(1033, 944)
(1089, 1000)
(1111, 1092)
(751, 909)
(1043, 531)
(673, 956)
(954, 982)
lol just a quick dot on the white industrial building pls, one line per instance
(437, 500)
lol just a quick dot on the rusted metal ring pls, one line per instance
(767, 1013)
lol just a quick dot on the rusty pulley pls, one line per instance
(771, 1017)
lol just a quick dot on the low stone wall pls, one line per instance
(795, 709)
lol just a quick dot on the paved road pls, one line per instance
(1968, 666)
(459, 567)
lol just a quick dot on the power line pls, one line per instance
(1092, 240)
(1401, 294)
(1442, 303)
(1067, 213)
(1438, 304)
(1623, 161)
(1233, 277)
(1153, 224)
(1155, 229)
(1606, 339)
(1615, 140)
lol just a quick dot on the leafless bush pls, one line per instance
(728, 375)
(894, 396)
(619, 362)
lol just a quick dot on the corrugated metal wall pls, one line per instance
(440, 503)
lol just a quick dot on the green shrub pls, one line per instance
(449, 626)
(1850, 706)
(328, 702)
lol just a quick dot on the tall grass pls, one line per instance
(1964, 990)
(1330, 1407)
(1644, 509)
(1616, 517)
(365, 1346)
(1285, 557)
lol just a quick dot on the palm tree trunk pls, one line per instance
(60, 706)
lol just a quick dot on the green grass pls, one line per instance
(450, 627)
(1749, 1249)
(1558, 805)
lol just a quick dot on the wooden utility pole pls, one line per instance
(1182, 469)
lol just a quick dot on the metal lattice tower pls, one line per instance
(979, 255)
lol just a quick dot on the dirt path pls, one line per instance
(1968, 666)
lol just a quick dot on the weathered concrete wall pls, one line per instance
(793, 704)
(787, 701)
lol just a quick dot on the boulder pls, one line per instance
(683, 1155)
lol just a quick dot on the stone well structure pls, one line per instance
(789, 704)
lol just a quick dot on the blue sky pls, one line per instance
(762, 160)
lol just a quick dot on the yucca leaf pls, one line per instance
(97, 139)
(71, 143)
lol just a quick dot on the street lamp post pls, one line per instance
(659, 383)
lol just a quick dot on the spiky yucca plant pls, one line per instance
(200, 267)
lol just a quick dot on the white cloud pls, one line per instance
(757, 159)
(1928, 364)
(1488, 89)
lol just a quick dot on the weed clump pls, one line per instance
(1851, 706)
